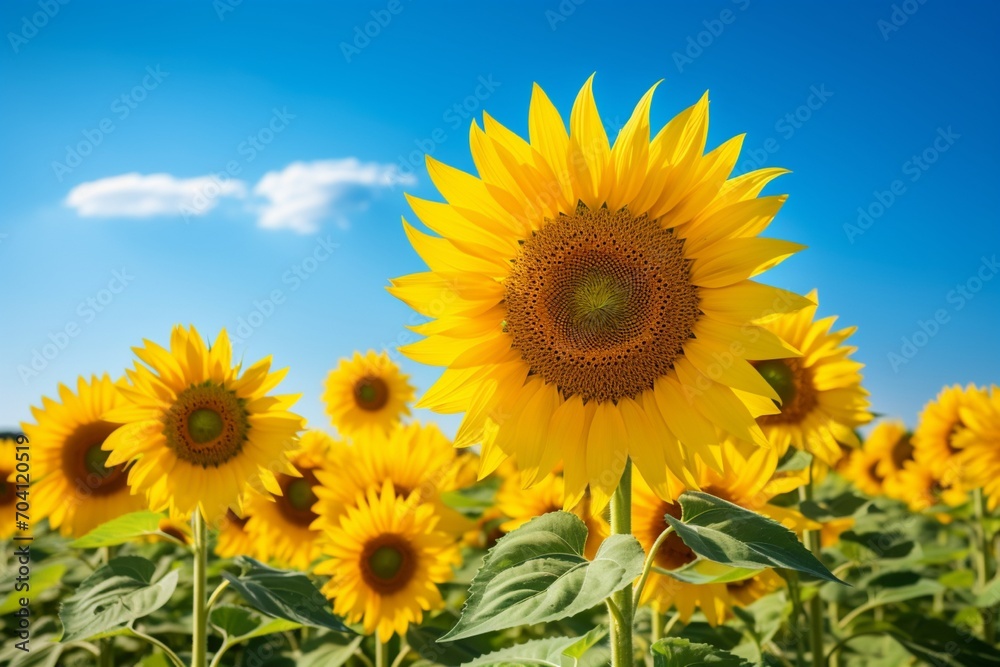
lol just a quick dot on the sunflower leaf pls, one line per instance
(729, 534)
(283, 594)
(123, 529)
(113, 596)
(552, 651)
(677, 652)
(538, 574)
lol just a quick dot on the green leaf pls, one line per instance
(843, 505)
(550, 652)
(113, 596)
(729, 534)
(238, 624)
(882, 597)
(45, 651)
(329, 651)
(704, 571)
(288, 595)
(677, 652)
(123, 529)
(990, 595)
(960, 579)
(538, 574)
(43, 578)
(939, 643)
(423, 639)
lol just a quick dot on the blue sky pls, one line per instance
(284, 140)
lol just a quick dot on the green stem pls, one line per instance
(812, 539)
(648, 567)
(214, 597)
(656, 626)
(622, 653)
(981, 550)
(404, 650)
(797, 611)
(171, 656)
(199, 638)
(381, 651)
(107, 654)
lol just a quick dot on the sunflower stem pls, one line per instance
(622, 653)
(199, 638)
(381, 651)
(812, 539)
(981, 548)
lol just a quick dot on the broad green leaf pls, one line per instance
(123, 529)
(843, 505)
(238, 624)
(923, 588)
(729, 534)
(113, 596)
(423, 639)
(549, 652)
(794, 460)
(45, 651)
(43, 578)
(961, 579)
(538, 574)
(329, 653)
(990, 596)
(677, 652)
(939, 643)
(704, 571)
(892, 579)
(291, 596)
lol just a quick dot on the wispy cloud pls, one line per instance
(299, 197)
(303, 194)
(143, 196)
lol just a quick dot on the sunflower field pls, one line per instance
(660, 459)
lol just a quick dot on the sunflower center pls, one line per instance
(84, 461)
(793, 382)
(388, 564)
(902, 451)
(297, 497)
(673, 552)
(7, 494)
(239, 522)
(371, 393)
(874, 473)
(601, 303)
(207, 425)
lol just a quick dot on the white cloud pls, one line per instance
(137, 196)
(302, 194)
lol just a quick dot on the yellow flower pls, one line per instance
(74, 484)
(920, 488)
(593, 302)
(522, 505)
(822, 400)
(234, 540)
(366, 393)
(745, 592)
(280, 524)
(8, 486)
(386, 559)
(935, 438)
(419, 461)
(197, 431)
(979, 443)
(885, 450)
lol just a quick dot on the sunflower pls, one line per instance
(234, 540)
(366, 393)
(521, 505)
(886, 449)
(8, 486)
(197, 431)
(937, 429)
(750, 480)
(280, 524)
(979, 443)
(822, 400)
(74, 483)
(919, 486)
(745, 592)
(417, 458)
(385, 562)
(592, 302)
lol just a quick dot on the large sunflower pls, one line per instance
(521, 505)
(934, 439)
(74, 484)
(822, 400)
(418, 459)
(280, 524)
(886, 449)
(385, 562)
(197, 431)
(979, 443)
(593, 302)
(8, 487)
(366, 393)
